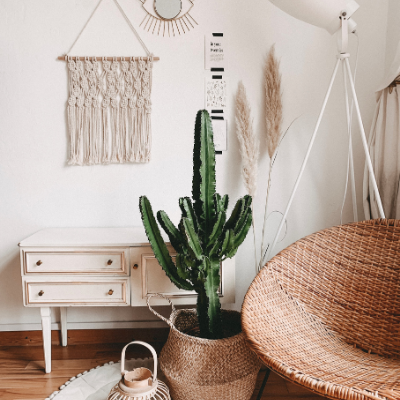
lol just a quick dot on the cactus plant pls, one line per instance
(204, 237)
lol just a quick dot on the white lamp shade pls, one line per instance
(322, 13)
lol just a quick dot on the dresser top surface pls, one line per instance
(59, 237)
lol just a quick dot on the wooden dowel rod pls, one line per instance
(62, 58)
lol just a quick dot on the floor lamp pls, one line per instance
(334, 16)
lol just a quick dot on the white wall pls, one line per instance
(393, 30)
(38, 190)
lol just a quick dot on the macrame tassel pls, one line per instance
(79, 129)
(97, 133)
(115, 132)
(139, 136)
(105, 133)
(132, 134)
(146, 116)
(87, 126)
(92, 136)
(94, 92)
(124, 127)
(128, 142)
(72, 131)
(136, 137)
(123, 134)
(126, 90)
(144, 138)
(147, 133)
(74, 93)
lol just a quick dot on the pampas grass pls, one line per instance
(273, 123)
(249, 148)
(273, 102)
(249, 143)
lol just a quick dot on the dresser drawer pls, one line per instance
(112, 261)
(77, 293)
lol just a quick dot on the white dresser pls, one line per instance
(75, 267)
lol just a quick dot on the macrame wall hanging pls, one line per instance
(109, 106)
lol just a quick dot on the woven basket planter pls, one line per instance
(202, 369)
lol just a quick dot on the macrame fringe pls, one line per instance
(109, 111)
(80, 133)
(72, 135)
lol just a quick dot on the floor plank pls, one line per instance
(85, 336)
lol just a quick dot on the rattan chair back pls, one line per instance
(325, 312)
(349, 278)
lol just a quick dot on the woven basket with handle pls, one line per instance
(202, 369)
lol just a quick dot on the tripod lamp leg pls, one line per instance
(364, 141)
(351, 158)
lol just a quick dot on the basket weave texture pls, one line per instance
(202, 369)
(325, 312)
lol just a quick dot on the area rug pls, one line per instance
(97, 383)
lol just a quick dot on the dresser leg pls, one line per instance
(46, 330)
(64, 332)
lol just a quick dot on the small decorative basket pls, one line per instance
(140, 383)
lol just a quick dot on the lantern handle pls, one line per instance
(153, 352)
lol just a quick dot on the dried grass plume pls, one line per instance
(273, 127)
(249, 143)
(273, 102)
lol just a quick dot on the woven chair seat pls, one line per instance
(325, 312)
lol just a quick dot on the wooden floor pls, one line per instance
(22, 374)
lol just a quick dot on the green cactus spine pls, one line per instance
(204, 237)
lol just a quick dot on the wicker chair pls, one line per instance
(325, 312)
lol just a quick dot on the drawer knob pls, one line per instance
(109, 262)
(135, 266)
(110, 292)
(39, 262)
(41, 293)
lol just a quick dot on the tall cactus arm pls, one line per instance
(217, 230)
(181, 267)
(182, 231)
(242, 221)
(221, 204)
(215, 250)
(211, 286)
(237, 239)
(227, 242)
(217, 202)
(185, 203)
(242, 233)
(158, 245)
(235, 215)
(203, 188)
(225, 202)
(175, 237)
(193, 239)
(246, 209)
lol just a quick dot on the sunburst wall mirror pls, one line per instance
(168, 17)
